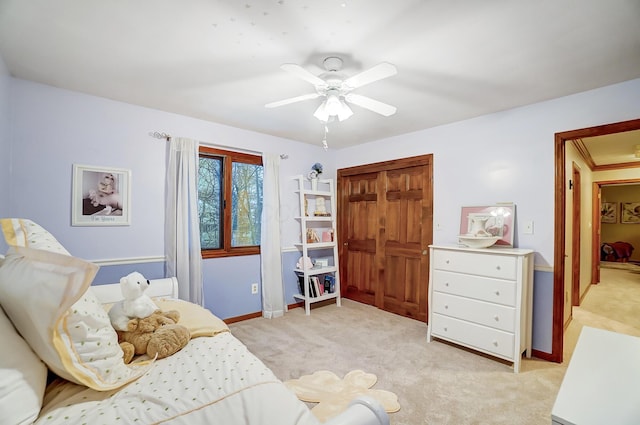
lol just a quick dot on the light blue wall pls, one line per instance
(5, 146)
(506, 157)
(542, 311)
(52, 129)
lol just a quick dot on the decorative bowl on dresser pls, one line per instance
(482, 299)
(478, 241)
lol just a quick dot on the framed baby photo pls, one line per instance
(101, 196)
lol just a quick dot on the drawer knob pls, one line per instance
(445, 329)
(497, 267)
(446, 284)
(497, 292)
(496, 318)
(495, 343)
(446, 306)
(447, 261)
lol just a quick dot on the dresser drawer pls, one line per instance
(489, 265)
(485, 339)
(487, 314)
(481, 288)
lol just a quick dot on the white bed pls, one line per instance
(213, 380)
(226, 384)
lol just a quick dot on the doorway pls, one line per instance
(560, 250)
(385, 225)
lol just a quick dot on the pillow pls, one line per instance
(23, 378)
(24, 232)
(199, 320)
(47, 297)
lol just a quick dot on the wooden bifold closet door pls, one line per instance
(385, 226)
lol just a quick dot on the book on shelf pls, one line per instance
(317, 286)
(301, 282)
(329, 283)
(312, 289)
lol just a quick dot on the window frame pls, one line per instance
(228, 158)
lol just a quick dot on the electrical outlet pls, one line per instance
(254, 288)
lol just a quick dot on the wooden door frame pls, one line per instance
(596, 231)
(597, 225)
(559, 226)
(576, 236)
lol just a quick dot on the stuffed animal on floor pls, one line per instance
(135, 305)
(157, 336)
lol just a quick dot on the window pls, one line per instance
(226, 179)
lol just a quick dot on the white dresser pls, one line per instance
(482, 299)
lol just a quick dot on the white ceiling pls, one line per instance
(614, 149)
(219, 60)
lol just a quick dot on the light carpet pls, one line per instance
(333, 394)
(436, 383)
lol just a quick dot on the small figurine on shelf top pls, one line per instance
(316, 170)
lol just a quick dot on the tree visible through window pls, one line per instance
(229, 179)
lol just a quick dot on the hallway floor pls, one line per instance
(613, 304)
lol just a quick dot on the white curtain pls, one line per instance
(182, 225)
(273, 304)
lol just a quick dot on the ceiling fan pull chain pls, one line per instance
(325, 145)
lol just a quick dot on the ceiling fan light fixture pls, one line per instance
(333, 105)
(345, 112)
(321, 113)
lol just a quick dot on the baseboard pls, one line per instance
(549, 357)
(243, 317)
(257, 314)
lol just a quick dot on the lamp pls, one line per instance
(333, 106)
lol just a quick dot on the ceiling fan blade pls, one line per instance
(292, 100)
(300, 72)
(378, 72)
(371, 104)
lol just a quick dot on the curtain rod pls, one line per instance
(167, 137)
(159, 135)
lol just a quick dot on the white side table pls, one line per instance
(602, 383)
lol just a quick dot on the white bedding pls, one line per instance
(213, 380)
(209, 370)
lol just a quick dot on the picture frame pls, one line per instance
(630, 213)
(497, 220)
(101, 196)
(609, 212)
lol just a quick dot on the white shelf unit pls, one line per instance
(319, 224)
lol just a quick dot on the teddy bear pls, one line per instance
(157, 336)
(135, 305)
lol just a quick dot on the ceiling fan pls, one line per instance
(336, 89)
